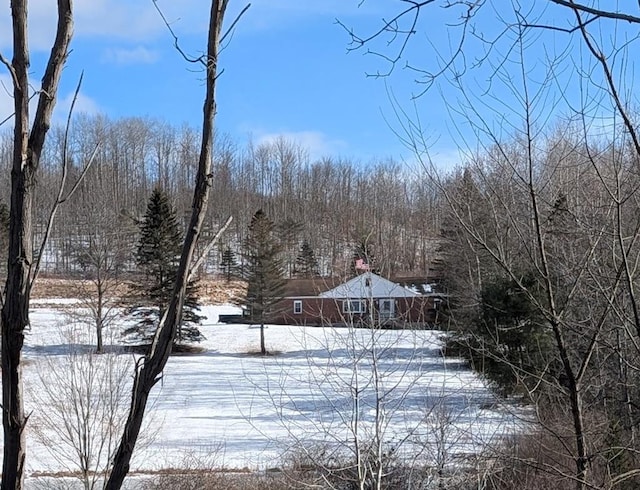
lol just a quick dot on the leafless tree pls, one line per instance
(80, 402)
(28, 143)
(149, 368)
(556, 207)
(334, 200)
(101, 255)
(370, 419)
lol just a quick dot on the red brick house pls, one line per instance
(362, 300)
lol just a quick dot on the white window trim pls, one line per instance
(297, 307)
(354, 306)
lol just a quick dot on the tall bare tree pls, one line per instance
(149, 369)
(28, 143)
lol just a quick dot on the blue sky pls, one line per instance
(287, 71)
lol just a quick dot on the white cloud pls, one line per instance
(113, 19)
(139, 21)
(84, 105)
(318, 144)
(135, 56)
(117, 19)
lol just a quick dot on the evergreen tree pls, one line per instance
(229, 263)
(306, 262)
(158, 257)
(508, 341)
(263, 271)
(288, 232)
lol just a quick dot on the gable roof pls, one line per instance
(368, 285)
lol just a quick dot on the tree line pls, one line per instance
(540, 223)
(331, 203)
(541, 267)
(540, 227)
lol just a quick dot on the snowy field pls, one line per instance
(228, 407)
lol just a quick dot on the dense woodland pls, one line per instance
(543, 269)
(538, 232)
(333, 203)
(536, 240)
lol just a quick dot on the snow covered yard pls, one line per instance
(320, 387)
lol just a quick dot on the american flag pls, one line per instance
(361, 265)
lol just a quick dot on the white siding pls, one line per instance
(369, 285)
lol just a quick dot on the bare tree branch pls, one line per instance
(61, 198)
(234, 23)
(176, 40)
(392, 27)
(149, 371)
(176, 44)
(198, 262)
(611, 84)
(608, 14)
(11, 69)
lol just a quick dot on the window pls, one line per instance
(386, 308)
(367, 282)
(354, 306)
(297, 307)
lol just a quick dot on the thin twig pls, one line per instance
(176, 44)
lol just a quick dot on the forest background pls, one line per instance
(333, 203)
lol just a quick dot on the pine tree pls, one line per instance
(229, 264)
(508, 339)
(158, 257)
(306, 262)
(288, 232)
(263, 272)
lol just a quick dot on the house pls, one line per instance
(363, 300)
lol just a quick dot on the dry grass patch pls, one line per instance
(212, 290)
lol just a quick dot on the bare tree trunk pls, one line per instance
(149, 370)
(99, 316)
(27, 149)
